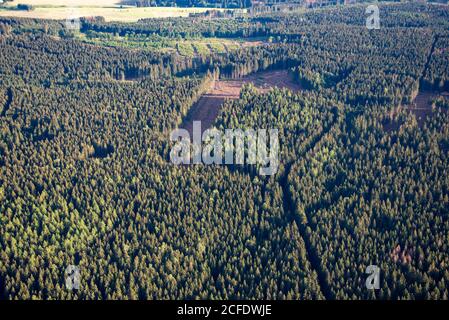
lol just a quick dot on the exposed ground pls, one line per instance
(266, 80)
(422, 105)
(421, 108)
(208, 106)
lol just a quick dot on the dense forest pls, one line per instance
(85, 176)
(193, 3)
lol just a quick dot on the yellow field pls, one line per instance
(68, 3)
(109, 9)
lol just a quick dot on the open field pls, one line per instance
(109, 9)
(68, 3)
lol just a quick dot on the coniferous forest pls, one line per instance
(363, 178)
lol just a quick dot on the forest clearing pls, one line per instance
(208, 106)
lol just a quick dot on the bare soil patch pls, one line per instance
(256, 43)
(205, 110)
(422, 100)
(421, 108)
(266, 80)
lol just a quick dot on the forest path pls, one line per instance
(289, 208)
(429, 56)
(9, 97)
(421, 105)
